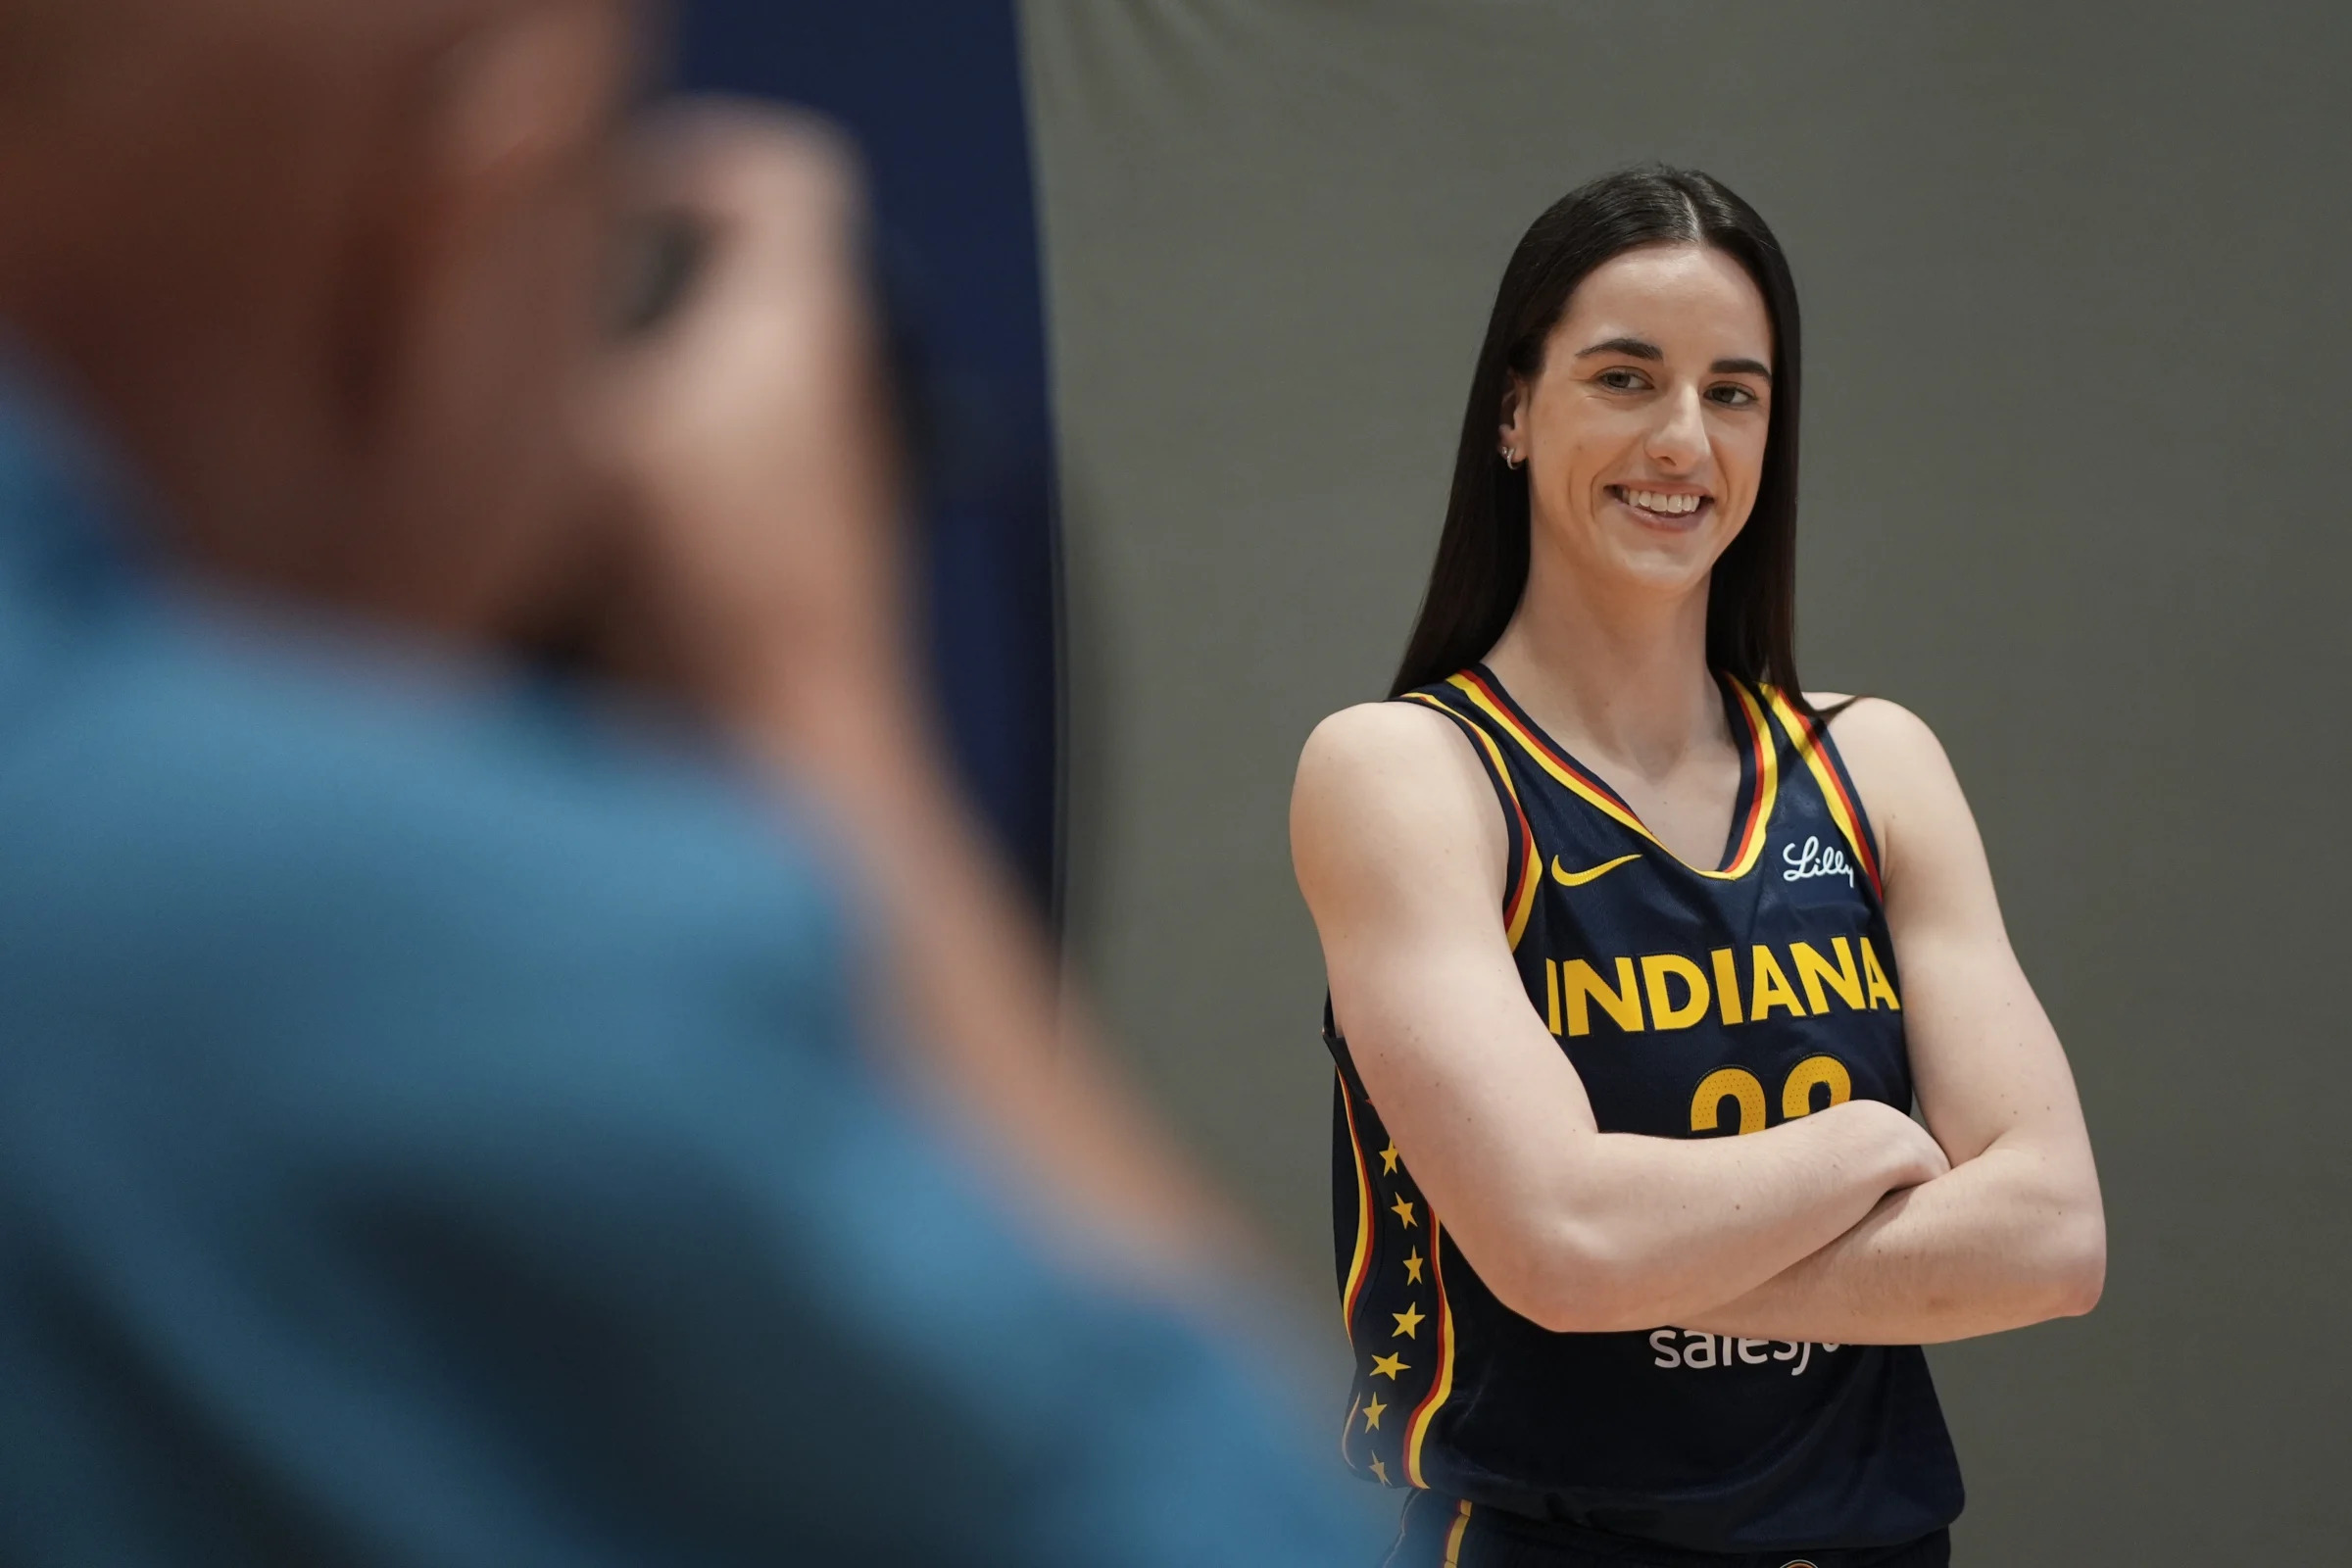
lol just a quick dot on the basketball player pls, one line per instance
(1638, 954)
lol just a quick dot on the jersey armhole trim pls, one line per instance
(1837, 792)
(1524, 873)
(1359, 1266)
(1836, 758)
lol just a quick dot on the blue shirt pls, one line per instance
(433, 1131)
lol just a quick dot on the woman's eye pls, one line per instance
(1621, 381)
(1733, 397)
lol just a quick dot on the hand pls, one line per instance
(749, 431)
(750, 436)
(1909, 1151)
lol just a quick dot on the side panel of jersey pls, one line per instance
(1693, 1002)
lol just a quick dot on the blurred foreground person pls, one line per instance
(436, 1118)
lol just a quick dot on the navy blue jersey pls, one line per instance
(1694, 1002)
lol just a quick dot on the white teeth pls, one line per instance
(1668, 506)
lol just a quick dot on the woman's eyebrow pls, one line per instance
(1641, 348)
(1633, 348)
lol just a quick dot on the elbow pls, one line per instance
(2083, 1278)
(1573, 1283)
(1574, 1310)
(2075, 1271)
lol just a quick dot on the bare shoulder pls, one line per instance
(1391, 771)
(1876, 736)
(1901, 773)
(1377, 745)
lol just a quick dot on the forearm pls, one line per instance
(1652, 1230)
(2000, 1242)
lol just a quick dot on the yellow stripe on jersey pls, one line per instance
(1592, 794)
(1843, 808)
(1454, 1537)
(1358, 1268)
(1768, 787)
(1519, 902)
(1442, 1388)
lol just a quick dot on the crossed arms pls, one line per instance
(1853, 1225)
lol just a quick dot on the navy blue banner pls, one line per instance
(933, 94)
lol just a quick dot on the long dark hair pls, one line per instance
(1481, 569)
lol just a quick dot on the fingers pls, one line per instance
(1933, 1161)
(777, 318)
(776, 188)
(749, 423)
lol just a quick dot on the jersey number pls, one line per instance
(1739, 1085)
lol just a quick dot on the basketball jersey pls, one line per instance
(1693, 1002)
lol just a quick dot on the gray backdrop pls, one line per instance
(2074, 491)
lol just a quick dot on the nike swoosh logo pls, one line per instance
(1576, 879)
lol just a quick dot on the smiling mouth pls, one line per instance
(1666, 509)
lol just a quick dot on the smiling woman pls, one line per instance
(1483, 553)
(1635, 972)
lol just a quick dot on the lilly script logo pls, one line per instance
(1816, 858)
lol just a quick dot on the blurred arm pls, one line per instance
(754, 432)
(2015, 1233)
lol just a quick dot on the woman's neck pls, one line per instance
(1617, 678)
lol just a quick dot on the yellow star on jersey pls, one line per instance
(1402, 1208)
(1413, 1265)
(1388, 1366)
(1380, 1472)
(1372, 1414)
(1407, 1321)
(1388, 1159)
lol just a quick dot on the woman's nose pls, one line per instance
(1679, 437)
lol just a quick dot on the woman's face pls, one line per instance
(1643, 432)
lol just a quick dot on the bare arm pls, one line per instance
(1400, 849)
(2015, 1233)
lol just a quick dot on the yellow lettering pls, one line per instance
(1657, 970)
(1582, 983)
(1727, 984)
(1876, 978)
(1772, 988)
(1728, 1082)
(1796, 1095)
(1552, 997)
(1812, 969)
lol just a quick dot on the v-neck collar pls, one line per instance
(1751, 808)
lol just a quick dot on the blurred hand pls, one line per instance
(749, 433)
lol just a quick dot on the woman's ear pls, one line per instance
(1511, 434)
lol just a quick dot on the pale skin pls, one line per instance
(1853, 1225)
